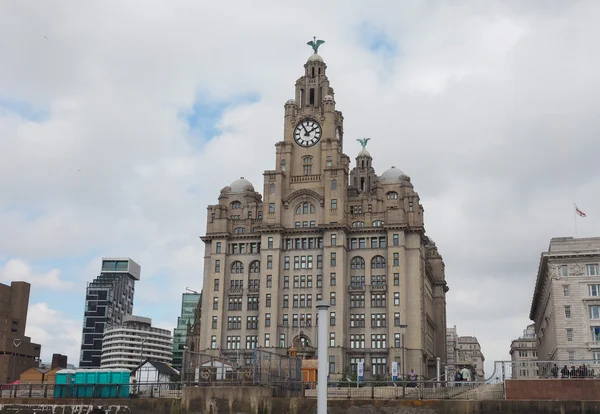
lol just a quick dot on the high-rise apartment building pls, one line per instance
(108, 299)
(523, 354)
(127, 344)
(189, 303)
(566, 300)
(325, 230)
(17, 352)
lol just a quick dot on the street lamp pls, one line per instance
(402, 329)
(16, 344)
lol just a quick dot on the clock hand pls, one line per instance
(305, 131)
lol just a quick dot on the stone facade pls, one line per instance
(323, 231)
(523, 354)
(464, 351)
(566, 301)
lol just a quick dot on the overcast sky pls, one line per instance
(121, 121)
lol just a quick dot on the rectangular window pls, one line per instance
(216, 285)
(333, 239)
(271, 207)
(296, 281)
(295, 320)
(396, 279)
(267, 319)
(215, 303)
(332, 299)
(269, 262)
(286, 282)
(593, 270)
(594, 312)
(252, 303)
(378, 341)
(397, 342)
(331, 339)
(395, 240)
(566, 290)
(570, 334)
(214, 322)
(332, 279)
(309, 301)
(252, 322)
(331, 318)
(286, 263)
(594, 290)
(286, 301)
(357, 300)
(571, 355)
(297, 262)
(377, 300)
(269, 281)
(563, 270)
(567, 312)
(295, 301)
(595, 332)
(396, 259)
(396, 298)
(382, 243)
(319, 262)
(319, 281)
(374, 243)
(396, 318)
(270, 243)
(281, 340)
(332, 259)
(267, 340)
(217, 266)
(332, 364)
(218, 247)
(268, 300)
(309, 281)
(334, 204)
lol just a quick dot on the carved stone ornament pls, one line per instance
(552, 271)
(576, 269)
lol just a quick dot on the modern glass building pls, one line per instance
(189, 303)
(108, 299)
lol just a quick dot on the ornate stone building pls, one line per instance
(566, 301)
(325, 230)
(523, 354)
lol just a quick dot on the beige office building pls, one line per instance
(566, 301)
(523, 354)
(325, 228)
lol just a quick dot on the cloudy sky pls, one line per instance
(120, 122)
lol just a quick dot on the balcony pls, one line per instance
(594, 344)
(306, 178)
(254, 289)
(236, 291)
(356, 288)
(378, 287)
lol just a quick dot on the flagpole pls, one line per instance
(575, 217)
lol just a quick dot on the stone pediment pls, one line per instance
(304, 194)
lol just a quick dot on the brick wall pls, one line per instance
(553, 389)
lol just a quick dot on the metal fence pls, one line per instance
(420, 390)
(557, 369)
(49, 390)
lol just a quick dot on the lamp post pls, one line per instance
(16, 344)
(322, 308)
(402, 330)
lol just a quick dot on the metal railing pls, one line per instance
(419, 390)
(51, 390)
(557, 369)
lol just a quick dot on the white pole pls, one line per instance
(322, 308)
(437, 369)
(575, 217)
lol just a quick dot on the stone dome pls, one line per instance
(241, 185)
(364, 153)
(291, 102)
(328, 98)
(393, 175)
(315, 58)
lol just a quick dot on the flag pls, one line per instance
(581, 213)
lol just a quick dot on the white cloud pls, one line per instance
(491, 108)
(19, 270)
(55, 331)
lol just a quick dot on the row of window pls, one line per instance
(378, 300)
(590, 270)
(593, 290)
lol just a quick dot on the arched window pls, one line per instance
(378, 223)
(255, 267)
(259, 215)
(239, 230)
(254, 229)
(334, 184)
(236, 204)
(357, 262)
(272, 188)
(237, 267)
(307, 165)
(378, 262)
(392, 195)
(305, 208)
(358, 224)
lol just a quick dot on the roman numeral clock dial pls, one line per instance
(307, 133)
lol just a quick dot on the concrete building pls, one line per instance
(59, 361)
(451, 351)
(108, 299)
(324, 231)
(566, 300)
(127, 344)
(17, 352)
(523, 354)
(470, 355)
(185, 322)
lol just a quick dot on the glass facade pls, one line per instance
(189, 302)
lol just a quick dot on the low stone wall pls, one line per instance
(584, 389)
(84, 406)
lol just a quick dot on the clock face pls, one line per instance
(307, 133)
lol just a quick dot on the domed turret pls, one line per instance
(241, 185)
(393, 175)
(315, 58)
